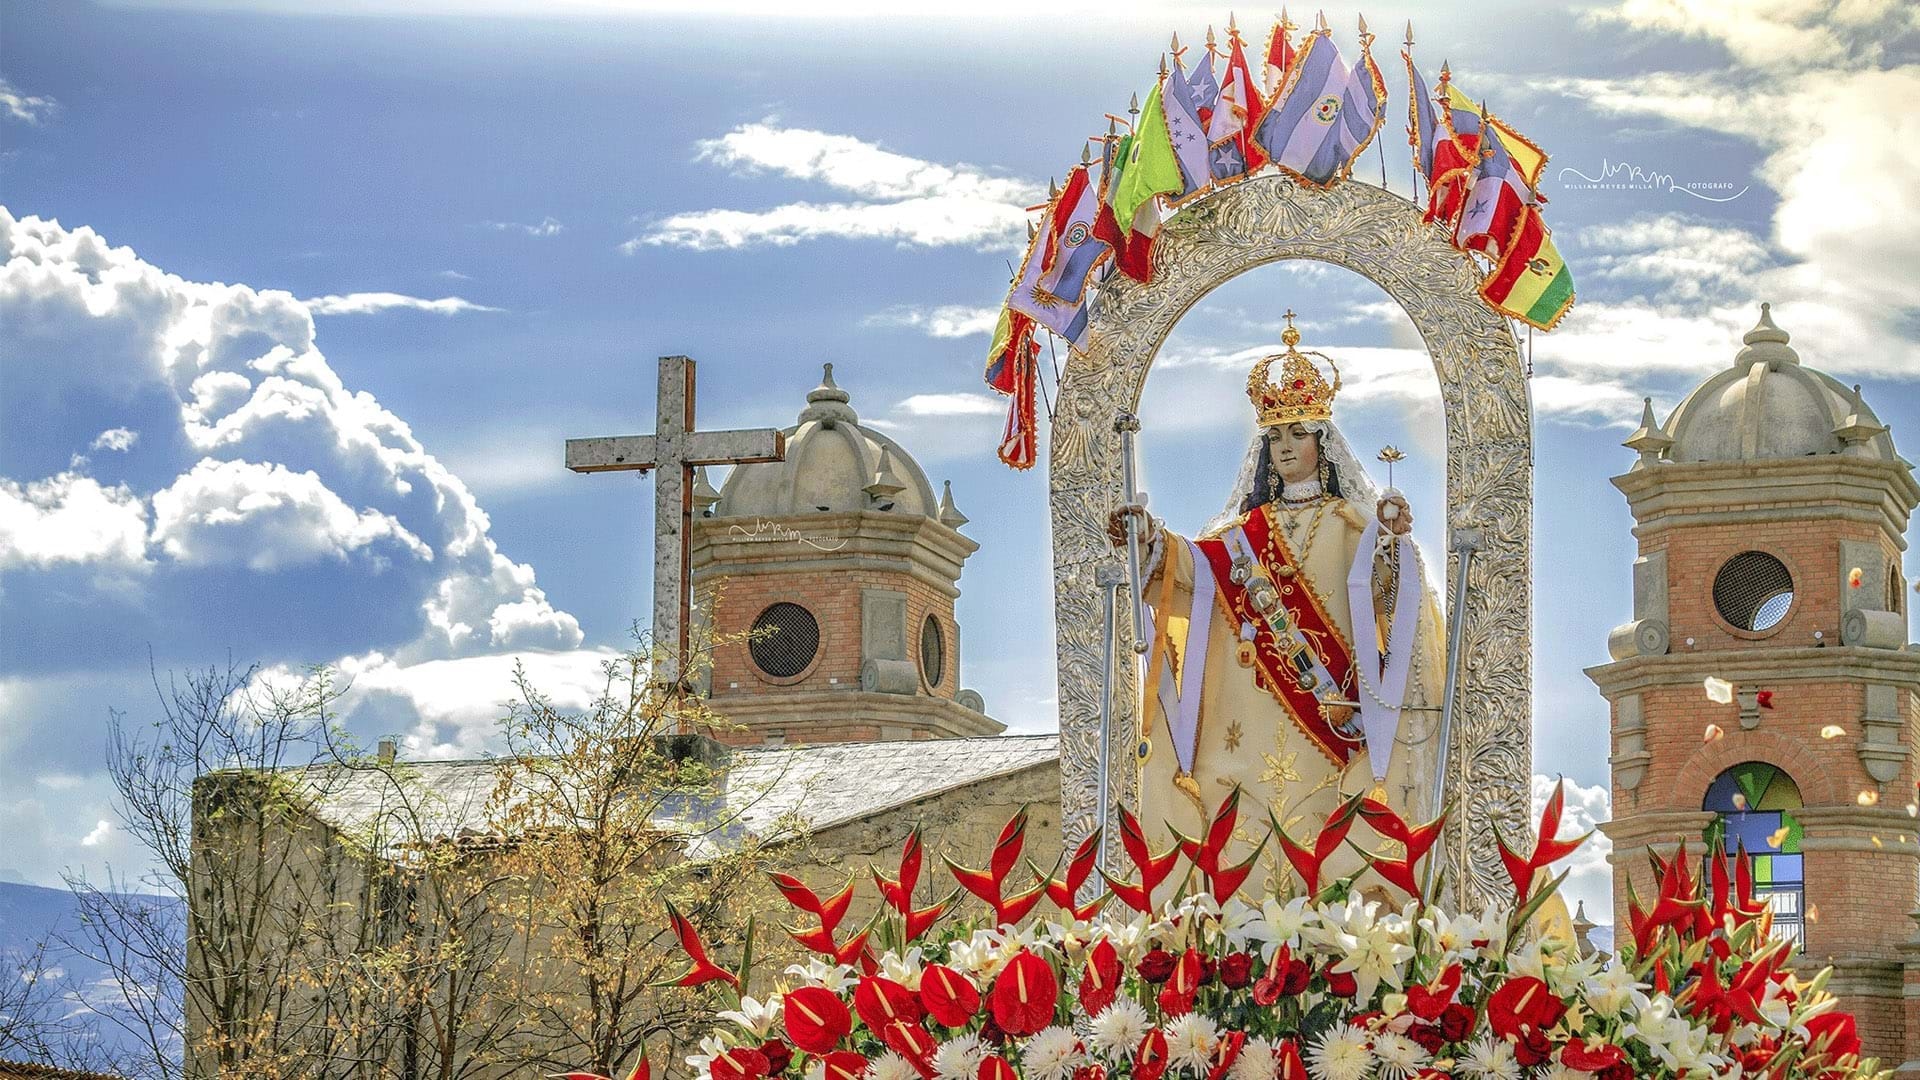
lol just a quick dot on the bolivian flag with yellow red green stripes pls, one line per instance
(1532, 282)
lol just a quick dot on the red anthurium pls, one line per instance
(1307, 863)
(1547, 847)
(1225, 1053)
(994, 1067)
(1591, 1056)
(1100, 982)
(739, 1063)
(704, 970)
(1024, 994)
(1291, 1067)
(1079, 868)
(816, 1019)
(1154, 869)
(949, 996)
(1176, 998)
(880, 1001)
(912, 1042)
(844, 1065)
(1150, 1058)
(1429, 1001)
(1523, 1006)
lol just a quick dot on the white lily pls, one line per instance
(756, 1016)
(817, 972)
(905, 970)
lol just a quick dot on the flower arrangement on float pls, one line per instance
(1310, 981)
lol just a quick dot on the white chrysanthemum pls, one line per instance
(1119, 1028)
(1190, 1042)
(1053, 1053)
(1256, 1061)
(1490, 1060)
(815, 1071)
(1557, 1071)
(958, 1058)
(891, 1066)
(1400, 1057)
(1341, 1054)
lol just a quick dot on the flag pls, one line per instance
(1455, 154)
(1230, 130)
(1532, 282)
(1327, 114)
(1528, 159)
(1423, 130)
(1106, 227)
(1069, 320)
(1493, 203)
(1011, 369)
(1204, 88)
(1280, 56)
(1363, 108)
(1188, 134)
(1152, 168)
(1076, 249)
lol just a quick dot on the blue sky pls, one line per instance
(449, 242)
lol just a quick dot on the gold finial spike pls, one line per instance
(1112, 128)
(1031, 232)
(1445, 72)
(1086, 152)
(1053, 189)
(1133, 107)
(1409, 33)
(1211, 49)
(1286, 24)
(1177, 50)
(1163, 65)
(1233, 28)
(1320, 22)
(1363, 26)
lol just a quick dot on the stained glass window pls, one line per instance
(1755, 807)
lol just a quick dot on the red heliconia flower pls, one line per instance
(949, 996)
(880, 1001)
(1100, 982)
(1601, 1055)
(994, 1067)
(1307, 863)
(704, 970)
(1024, 994)
(816, 1019)
(1522, 1006)
(1206, 855)
(1154, 869)
(990, 884)
(739, 1063)
(844, 1065)
(898, 892)
(1150, 1058)
(576, 1076)
(1430, 1000)
(1417, 840)
(1547, 847)
(828, 913)
(1225, 1053)
(642, 1069)
(1079, 868)
(912, 1042)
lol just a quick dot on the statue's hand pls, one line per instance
(1117, 524)
(1395, 516)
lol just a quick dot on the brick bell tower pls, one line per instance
(1771, 512)
(845, 566)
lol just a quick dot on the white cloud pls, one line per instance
(1591, 879)
(1776, 33)
(366, 303)
(961, 404)
(907, 200)
(944, 321)
(455, 705)
(117, 439)
(456, 275)
(102, 830)
(70, 518)
(546, 226)
(24, 107)
(267, 517)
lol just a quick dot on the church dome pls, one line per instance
(1768, 405)
(833, 463)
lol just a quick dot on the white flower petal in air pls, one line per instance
(1119, 1028)
(1719, 691)
(1340, 1054)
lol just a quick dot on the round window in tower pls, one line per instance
(786, 637)
(1753, 592)
(933, 651)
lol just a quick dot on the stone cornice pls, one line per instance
(799, 710)
(1675, 494)
(1838, 663)
(811, 543)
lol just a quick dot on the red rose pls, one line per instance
(816, 1019)
(990, 1032)
(1207, 968)
(881, 1001)
(1157, 966)
(1236, 971)
(1298, 977)
(1428, 1036)
(1533, 1048)
(1342, 983)
(1456, 1022)
(1089, 1072)
(778, 1056)
(948, 996)
(1522, 1005)
(1621, 1071)
(1100, 982)
(1024, 995)
(739, 1063)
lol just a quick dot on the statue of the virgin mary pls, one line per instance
(1297, 646)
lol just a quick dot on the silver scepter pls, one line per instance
(1109, 579)
(1128, 425)
(1466, 541)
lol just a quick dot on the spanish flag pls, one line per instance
(1532, 282)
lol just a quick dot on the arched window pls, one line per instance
(1755, 805)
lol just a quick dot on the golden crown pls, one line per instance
(1302, 394)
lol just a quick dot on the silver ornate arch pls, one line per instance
(1381, 237)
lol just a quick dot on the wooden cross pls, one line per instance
(675, 449)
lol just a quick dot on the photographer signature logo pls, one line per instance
(1626, 176)
(768, 532)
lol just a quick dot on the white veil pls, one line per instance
(1355, 485)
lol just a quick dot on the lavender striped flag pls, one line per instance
(1298, 133)
(1188, 135)
(1362, 108)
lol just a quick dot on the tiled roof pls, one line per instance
(824, 784)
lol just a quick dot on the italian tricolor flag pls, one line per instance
(1532, 282)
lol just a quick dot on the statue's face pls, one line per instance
(1294, 453)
